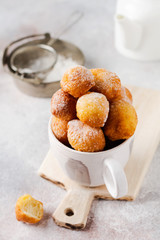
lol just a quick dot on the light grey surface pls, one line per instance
(23, 123)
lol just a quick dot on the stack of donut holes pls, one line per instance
(90, 108)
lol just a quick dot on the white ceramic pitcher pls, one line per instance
(137, 29)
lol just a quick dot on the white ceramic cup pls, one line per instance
(94, 168)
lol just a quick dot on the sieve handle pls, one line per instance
(72, 19)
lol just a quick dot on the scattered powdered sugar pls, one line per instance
(60, 68)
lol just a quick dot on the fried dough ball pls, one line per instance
(59, 128)
(63, 105)
(125, 95)
(84, 138)
(121, 122)
(28, 209)
(107, 83)
(77, 81)
(92, 109)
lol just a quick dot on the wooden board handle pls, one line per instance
(73, 210)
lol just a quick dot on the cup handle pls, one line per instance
(115, 178)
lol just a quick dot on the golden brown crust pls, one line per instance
(84, 138)
(121, 122)
(23, 215)
(107, 83)
(63, 105)
(92, 109)
(129, 95)
(59, 128)
(77, 81)
(124, 95)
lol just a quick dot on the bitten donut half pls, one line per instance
(28, 209)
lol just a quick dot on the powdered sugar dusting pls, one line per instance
(82, 137)
(81, 73)
(107, 83)
(63, 105)
(59, 129)
(77, 81)
(93, 108)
